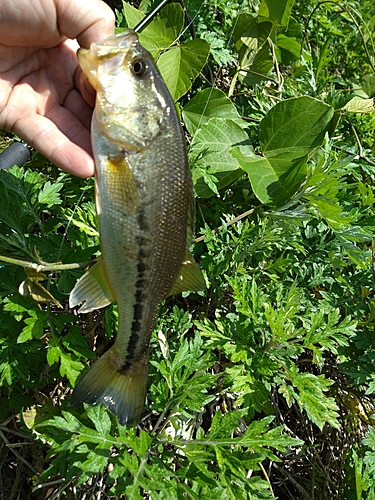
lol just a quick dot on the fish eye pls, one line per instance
(138, 67)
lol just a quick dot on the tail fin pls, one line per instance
(120, 386)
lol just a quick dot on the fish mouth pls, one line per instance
(105, 50)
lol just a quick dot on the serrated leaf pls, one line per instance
(143, 444)
(35, 326)
(53, 354)
(70, 367)
(319, 408)
(180, 66)
(49, 194)
(100, 418)
(96, 462)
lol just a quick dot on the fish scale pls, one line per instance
(145, 209)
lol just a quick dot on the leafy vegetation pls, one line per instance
(262, 387)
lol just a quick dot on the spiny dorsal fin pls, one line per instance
(92, 289)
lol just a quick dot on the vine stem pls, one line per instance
(233, 221)
(45, 266)
(346, 10)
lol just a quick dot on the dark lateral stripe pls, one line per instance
(138, 308)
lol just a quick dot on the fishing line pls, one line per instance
(65, 234)
(189, 25)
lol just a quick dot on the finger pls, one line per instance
(86, 89)
(78, 107)
(42, 134)
(86, 20)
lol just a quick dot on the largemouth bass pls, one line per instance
(145, 207)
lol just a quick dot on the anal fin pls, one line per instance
(92, 290)
(190, 277)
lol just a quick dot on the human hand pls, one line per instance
(44, 97)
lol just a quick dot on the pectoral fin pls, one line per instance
(190, 277)
(123, 189)
(92, 290)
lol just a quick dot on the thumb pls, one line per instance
(86, 20)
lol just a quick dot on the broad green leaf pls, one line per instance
(132, 15)
(368, 84)
(295, 127)
(288, 43)
(289, 47)
(288, 133)
(277, 11)
(254, 55)
(250, 32)
(162, 32)
(209, 103)
(211, 150)
(180, 66)
(358, 105)
(256, 67)
(274, 179)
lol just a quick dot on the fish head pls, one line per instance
(132, 101)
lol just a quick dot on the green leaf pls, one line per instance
(256, 67)
(36, 324)
(133, 16)
(358, 105)
(251, 32)
(319, 408)
(277, 11)
(368, 84)
(274, 180)
(180, 66)
(295, 127)
(210, 149)
(99, 417)
(53, 354)
(49, 194)
(289, 45)
(162, 32)
(288, 133)
(209, 103)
